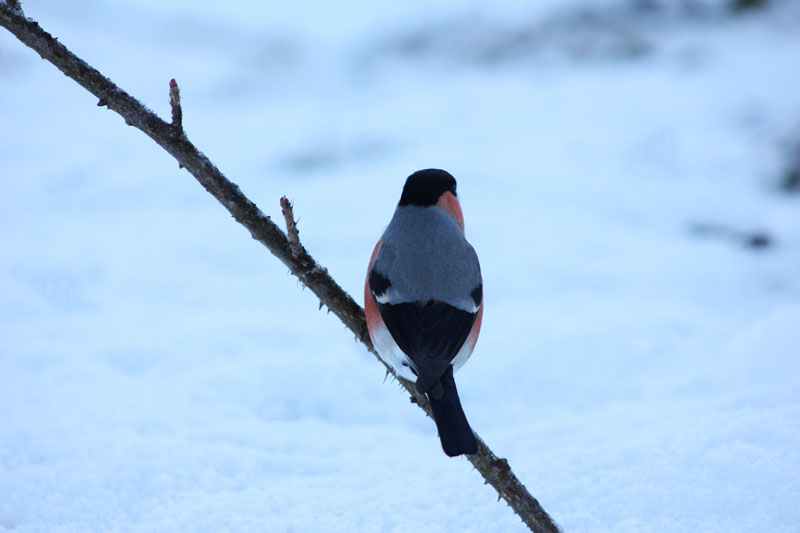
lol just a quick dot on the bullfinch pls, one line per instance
(424, 299)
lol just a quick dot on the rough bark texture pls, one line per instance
(172, 138)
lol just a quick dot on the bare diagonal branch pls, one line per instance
(171, 137)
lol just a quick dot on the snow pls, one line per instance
(162, 372)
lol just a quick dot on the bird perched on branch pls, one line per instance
(424, 299)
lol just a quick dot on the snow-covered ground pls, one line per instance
(160, 371)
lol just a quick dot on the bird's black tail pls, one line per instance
(454, 430)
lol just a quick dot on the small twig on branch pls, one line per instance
(291, 228)
(175, 104)
(494, 470)
(177, 111)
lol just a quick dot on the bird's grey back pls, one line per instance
(426, 257)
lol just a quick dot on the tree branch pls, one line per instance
(171, 137)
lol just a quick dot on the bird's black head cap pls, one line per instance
(425, 187)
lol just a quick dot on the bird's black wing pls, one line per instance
(430, 333)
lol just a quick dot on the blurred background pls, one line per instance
(628, 172)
